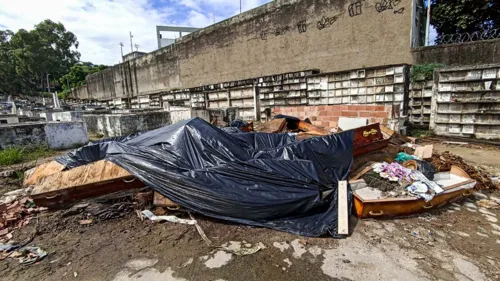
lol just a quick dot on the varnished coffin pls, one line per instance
(457, 184)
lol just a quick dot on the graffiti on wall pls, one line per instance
(278, 31)
(263, 35)
(326, 22)
(281, 30)
(385, 5)
(302, 26)
(355, 9)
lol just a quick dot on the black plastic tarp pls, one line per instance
(258, 179)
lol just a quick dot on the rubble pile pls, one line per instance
(444, 162)
(16, 211)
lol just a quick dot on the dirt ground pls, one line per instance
(458, 242)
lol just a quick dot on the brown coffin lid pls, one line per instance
(42, 171)
(94, 173)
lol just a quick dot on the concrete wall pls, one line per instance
(466, 102)
(46, 115)
(472, 53)
(180, 115)
(22, 134)
(9, 119)
(282, 36)
(112, 125)
(64, 135)
(57, 135)
(67, 116)
(64, 116)
(79, 93)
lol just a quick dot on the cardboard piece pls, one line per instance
(424, 152)
(352, 123)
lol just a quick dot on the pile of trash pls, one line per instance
(261, 179)
(285, 174)
(16, 211)
(444, 161)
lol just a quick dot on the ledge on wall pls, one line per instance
(469, 53)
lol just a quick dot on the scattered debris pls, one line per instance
(29, 255)
(201, 232)
(395, 166)
(148, 214)
(235, 247)
(489, 204)
(86, 222)
(444, 161)
(17, 213)
(424, 152)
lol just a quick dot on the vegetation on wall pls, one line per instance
(424, 72)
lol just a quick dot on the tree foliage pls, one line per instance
(464, 16)
(77, 73)
(26, 57)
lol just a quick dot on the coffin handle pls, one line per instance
(51, 197)
(429, 206)
(467, 193)
(128, 181)
(372, 213)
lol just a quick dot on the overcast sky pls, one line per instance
(101, 25)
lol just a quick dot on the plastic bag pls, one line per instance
(268, 180)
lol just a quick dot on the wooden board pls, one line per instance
(310, 128)
(343, 214)
(362, 171)
(394, 137)
(273, 126)
(42, 171)
(162, 201)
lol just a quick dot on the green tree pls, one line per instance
(77, 73)
(9, 82)
(28, 56)
(464, 16)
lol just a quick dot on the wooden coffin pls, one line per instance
(368, 138)
(457, 185)
(92, 180)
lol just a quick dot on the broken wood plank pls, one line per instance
(362, 171)
(394, 137)
(306, 127)
(162, 201)
(343, 214)
(273, 126)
